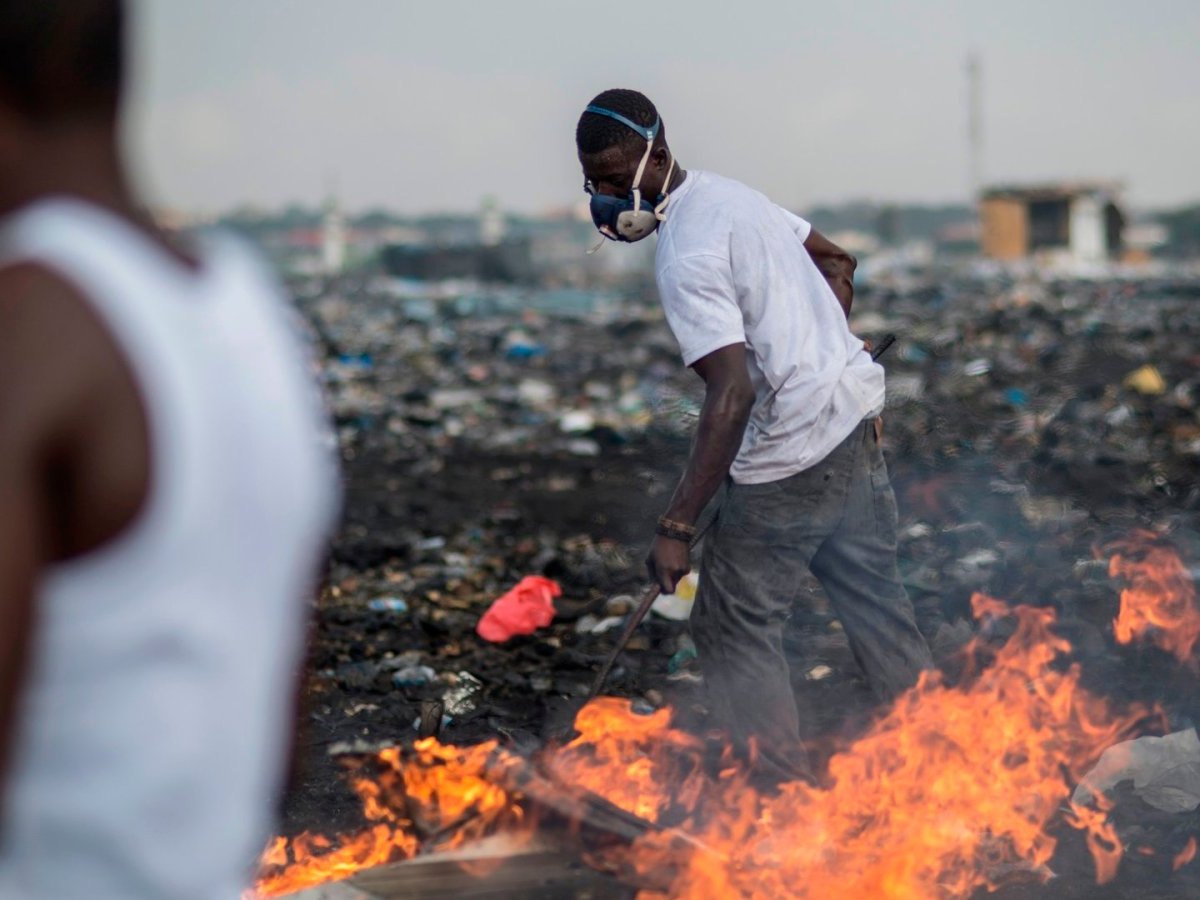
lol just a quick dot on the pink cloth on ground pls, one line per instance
(523, 610)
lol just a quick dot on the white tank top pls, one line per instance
(153, 724)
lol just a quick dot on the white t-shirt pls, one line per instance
(732, 268)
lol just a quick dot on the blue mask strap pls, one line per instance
(649, 133)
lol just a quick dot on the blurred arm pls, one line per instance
(836, 265)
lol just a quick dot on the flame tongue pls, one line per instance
(1160, 600)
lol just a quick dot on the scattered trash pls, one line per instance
(592, 625)
(576, 422)
(460, 698)
(413, 676)
(421, 726)
(1016, 397)
(974, 567)
(583, 447)
(818, 673)
(620, 605)
(1165, 771)
(535, 393)
(523, 610)
(387, 604)
(1146, 380)
(677, 606)
(685, 653)
(357, 675)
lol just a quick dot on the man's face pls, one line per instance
(611, 172)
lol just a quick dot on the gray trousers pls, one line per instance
(837, 519)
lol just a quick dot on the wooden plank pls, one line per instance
(596, 817)
(336, 890)
(490, 874)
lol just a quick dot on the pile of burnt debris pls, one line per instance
(1028, 426)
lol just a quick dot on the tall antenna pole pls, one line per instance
(974, 125)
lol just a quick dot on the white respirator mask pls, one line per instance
(630, 218)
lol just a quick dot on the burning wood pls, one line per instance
(435, 797)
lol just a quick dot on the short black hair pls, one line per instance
(596, 133)
(60, 58)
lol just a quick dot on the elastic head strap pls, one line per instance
(649, 133)
(637, 179)
(659, 211)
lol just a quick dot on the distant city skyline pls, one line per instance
(424, 107)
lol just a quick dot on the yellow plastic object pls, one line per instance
(1146, 380)
(686, 589)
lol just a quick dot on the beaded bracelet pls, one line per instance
(679, 531)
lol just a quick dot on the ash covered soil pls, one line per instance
(1028, 425)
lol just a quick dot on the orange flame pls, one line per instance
(1160, 600)
(444, 793)
(1186, 855)
(307, 859)
(636, 762)
(953, 789)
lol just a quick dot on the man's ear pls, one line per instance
(660, 156)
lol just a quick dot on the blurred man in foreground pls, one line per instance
(758, 302)
(164, 500)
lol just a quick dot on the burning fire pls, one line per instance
(307, 859)
(949, 792)
(1160, 600)
(955, 788)
(442, 791)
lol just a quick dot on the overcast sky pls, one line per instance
(423, 106)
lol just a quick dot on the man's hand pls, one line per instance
(668, 562)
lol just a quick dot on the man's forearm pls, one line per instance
(719, 433)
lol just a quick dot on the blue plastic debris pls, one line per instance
(446, 720)
(388, 604)
(681, 658)
(357, 360)
(1016, 396)
(413, 676)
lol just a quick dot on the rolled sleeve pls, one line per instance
(700, 302)
(801, 227)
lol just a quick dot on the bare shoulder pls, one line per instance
(50, 342)
(70, 408)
